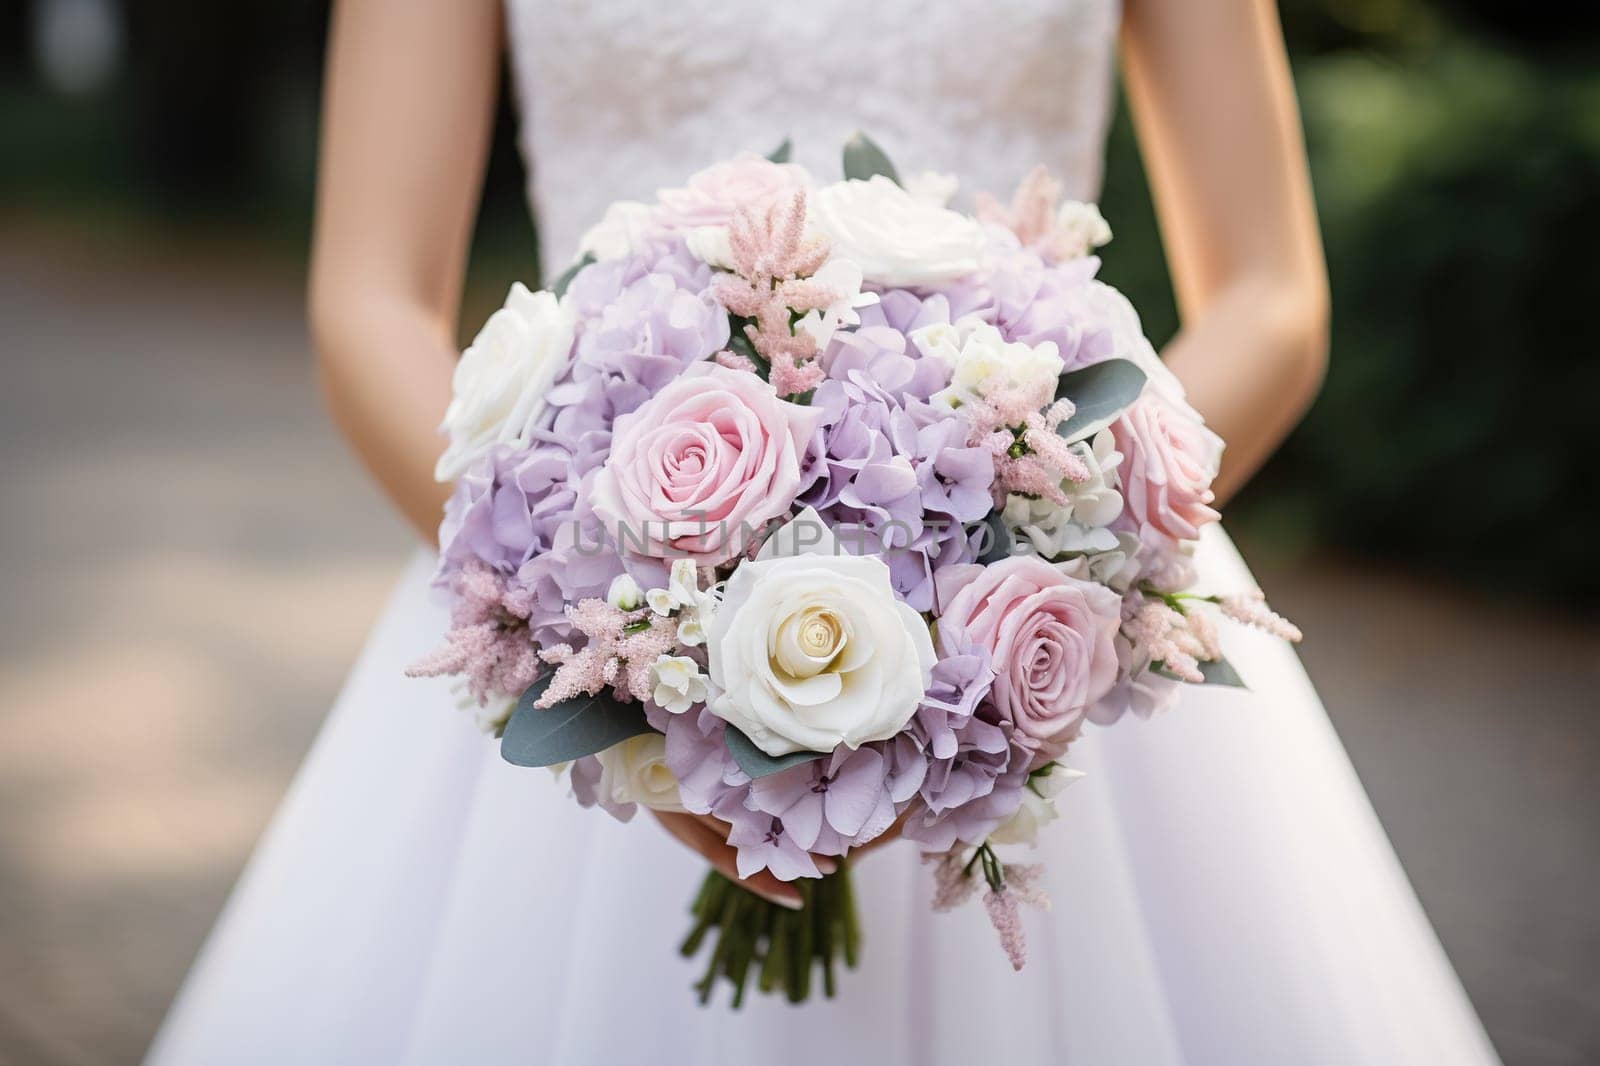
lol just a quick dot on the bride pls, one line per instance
(1224, 893)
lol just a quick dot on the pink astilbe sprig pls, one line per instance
(488, 642)
(618, 652)
(1042, 222)
(773, 259)
(955, 879)
(1006, 917)
(1160, 634)
(1017, 424)
(1017, 885)
(953, 883)
(1033, 207)
(1251, 609)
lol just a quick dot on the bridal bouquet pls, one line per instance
(827, 511)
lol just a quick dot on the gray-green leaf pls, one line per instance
(1216, 672)
(997, 541)
(863, 159)
(782, 153)
(559, 287)
(1099, 393)
(757, 763)
(545, 736)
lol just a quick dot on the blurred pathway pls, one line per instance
(189, 560)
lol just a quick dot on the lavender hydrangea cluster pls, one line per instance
(831, 514)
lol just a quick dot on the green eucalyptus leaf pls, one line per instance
(757, 763)
(559, 287)
(545, 736)
(782, 153)
(1216, 672)
(1099, 393)
(997, 544)
(863, 159)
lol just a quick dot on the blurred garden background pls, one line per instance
(189, 560)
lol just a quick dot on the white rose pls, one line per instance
(679, 684)
(635, 771)
(932, 186)
(500, 383)
(624, 228)
(1101, 303)
(811, 649)
(896, 238)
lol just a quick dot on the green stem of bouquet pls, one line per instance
(781, 948)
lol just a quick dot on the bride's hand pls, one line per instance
(709, 837)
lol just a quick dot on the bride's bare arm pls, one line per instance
(405, 132)
(407, 112)
(1215, 111)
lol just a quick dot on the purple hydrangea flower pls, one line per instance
(1033, 302)
(897, 482)
(827, 806)
(507, 507)
(975, 767)
(640, 322)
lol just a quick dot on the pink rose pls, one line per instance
(1050, 637)
(702, 465)
(1171, 459)
(715, 193)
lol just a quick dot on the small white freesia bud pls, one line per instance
(624, 593)
(683, 582)
(941, 341)
(1080, 228)
(1050, 784)
(679, 684)
(691, 631)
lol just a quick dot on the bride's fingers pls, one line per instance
(713, 846)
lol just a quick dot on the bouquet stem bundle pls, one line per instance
(781, 947)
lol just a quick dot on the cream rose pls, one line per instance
(895, 238)
(811, 649)
(500, 383)
(635, 771)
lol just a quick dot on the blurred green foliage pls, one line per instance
(1456, 157)
(1455, 148)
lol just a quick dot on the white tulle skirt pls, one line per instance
(1223, 895)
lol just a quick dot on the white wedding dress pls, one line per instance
(1223, 893)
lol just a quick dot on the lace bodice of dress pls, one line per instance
(621, 97)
